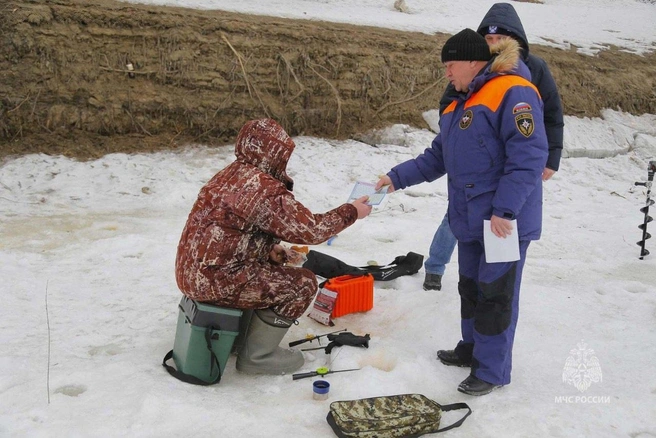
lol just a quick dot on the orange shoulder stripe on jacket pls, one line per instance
(494, 90)
(450, 107)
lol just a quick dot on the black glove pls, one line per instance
(347, 338)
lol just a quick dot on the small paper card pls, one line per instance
(498, 249)
(364, 188)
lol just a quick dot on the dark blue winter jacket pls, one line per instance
(493, 146)
(504, 15)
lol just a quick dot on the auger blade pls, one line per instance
(642, 242)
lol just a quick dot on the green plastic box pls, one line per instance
(190, 352)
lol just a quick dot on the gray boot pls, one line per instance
(261, 353)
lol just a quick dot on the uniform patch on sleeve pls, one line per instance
(525, 124)
(466, 119)
(522, 107)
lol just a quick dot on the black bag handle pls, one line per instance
(191, 379)
(455, 407)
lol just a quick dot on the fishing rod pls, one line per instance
(341, 339)
(311, 338)
(321, 371)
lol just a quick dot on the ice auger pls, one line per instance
(643, 226)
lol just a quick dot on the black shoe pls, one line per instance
(450, 357)
(433, 282)
(472, 385)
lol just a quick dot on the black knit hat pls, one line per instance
(466, 45)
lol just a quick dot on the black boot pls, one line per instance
(433, 282)
(472, 385)
(460, 357)
(450, 357)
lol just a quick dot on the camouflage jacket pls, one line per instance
(243, 211)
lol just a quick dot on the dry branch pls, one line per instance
(339, 101)
(135, 72)
(19, 105)
(398, 102)
(243, 70)
(291, 71)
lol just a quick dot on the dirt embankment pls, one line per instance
(198, 76)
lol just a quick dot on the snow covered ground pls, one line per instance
(90, 301)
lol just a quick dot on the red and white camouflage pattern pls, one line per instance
(246, 208)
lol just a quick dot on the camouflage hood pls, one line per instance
(265, 144)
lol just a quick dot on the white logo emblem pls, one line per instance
(582, 367)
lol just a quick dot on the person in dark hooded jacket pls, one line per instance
(502, 21)
(230, 254)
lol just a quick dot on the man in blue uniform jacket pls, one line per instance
(493, 147)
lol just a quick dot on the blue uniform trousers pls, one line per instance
(489, 308)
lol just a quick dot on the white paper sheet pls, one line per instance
(362, 188)
(498, 249)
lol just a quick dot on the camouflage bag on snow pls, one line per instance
(406, 415)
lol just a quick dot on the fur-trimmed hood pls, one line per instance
(506, 56)
(506, 60)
